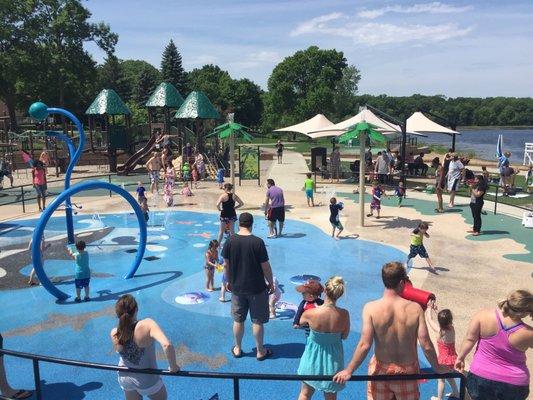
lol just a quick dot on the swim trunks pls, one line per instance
(386, 390)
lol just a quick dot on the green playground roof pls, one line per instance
(107, 102)
(165, 95)
(197, 105)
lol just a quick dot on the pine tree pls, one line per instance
(145, 86)
(172, 69)
(111, 76)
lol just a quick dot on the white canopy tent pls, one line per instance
(384, 126)
(314, 124)
(418, 122)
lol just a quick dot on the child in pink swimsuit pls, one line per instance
(446, 347)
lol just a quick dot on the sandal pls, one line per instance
(235, 355)
(22, 394)
(266, 355)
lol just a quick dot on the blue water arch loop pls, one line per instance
(47, 213)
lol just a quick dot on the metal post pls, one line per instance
(314, 186)
(258, 166)
(496, 199)
(236, 392)
(404, 164)
(37, 379)
(453, 141)
(462, 387)
(23, 202)
(109, 180)
(362, 166)
(240, 166)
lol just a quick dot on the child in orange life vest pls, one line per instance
(311, 291)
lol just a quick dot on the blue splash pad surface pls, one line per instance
(33, 322)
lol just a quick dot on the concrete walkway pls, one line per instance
(290, 175)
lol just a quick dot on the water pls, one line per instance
(483, 142)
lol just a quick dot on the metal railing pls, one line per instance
(235, 377)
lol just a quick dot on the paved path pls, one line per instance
(291, 174)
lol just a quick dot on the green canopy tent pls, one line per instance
(164, 97)
(197, 108)
(361, 131)
(231, 130)
(109, 104)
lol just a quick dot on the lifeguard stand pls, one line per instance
(528, 154)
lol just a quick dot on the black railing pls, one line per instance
(235, 377)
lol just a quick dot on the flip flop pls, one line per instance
(266, 355)
(235, 355)
(22, 394)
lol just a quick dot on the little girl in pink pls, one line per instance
(446, 347)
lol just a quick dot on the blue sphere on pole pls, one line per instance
(39, 111)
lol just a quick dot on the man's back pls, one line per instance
(395, 322)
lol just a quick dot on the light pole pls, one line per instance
(231, 117)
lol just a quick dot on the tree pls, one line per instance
(246, 99)
(111, 76)
(344, 98)
(172, 69)
(302, 85)
(144, 88)
(214, 82)
(18, 32)
(132, 70)
(65, 27)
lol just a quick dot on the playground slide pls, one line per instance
(132, 162)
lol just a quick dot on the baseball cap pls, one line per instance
(311, 286)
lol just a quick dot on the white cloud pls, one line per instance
(315, 23)
(371, 33)
(435, 7)
(256, 59)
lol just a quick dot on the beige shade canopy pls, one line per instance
(365, 115)
(314, 124)
(418, 122)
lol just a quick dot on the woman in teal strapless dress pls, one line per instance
(324, 355)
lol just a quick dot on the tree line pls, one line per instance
(42, 56)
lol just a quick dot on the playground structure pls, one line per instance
(528, 154)
(40, 111)
(107, 105)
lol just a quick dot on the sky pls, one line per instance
(470, 48)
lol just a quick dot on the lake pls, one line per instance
(483, 142)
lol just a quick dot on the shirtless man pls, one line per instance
(394, 324)
(153, 167)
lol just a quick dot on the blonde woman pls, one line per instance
(135, 341)
(499, 369)
(324, 355)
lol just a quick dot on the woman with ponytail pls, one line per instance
(499, 370)
(134, 341)
(324, 355)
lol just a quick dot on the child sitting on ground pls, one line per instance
(220, 178)
(274, 298)
(334, 218)
(400, 193)
(446, 347)
(82, 275)
(140, 191)
(211, 261)
(309, 187)
(375, 204)
(311, 291)
(417, 245)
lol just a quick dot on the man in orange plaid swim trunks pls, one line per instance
(394, 324)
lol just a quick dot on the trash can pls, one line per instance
(318, 158)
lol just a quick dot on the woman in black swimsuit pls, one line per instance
(227, 203)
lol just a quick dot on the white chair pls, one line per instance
(525, 216)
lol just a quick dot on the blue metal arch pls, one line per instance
(47, 213)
